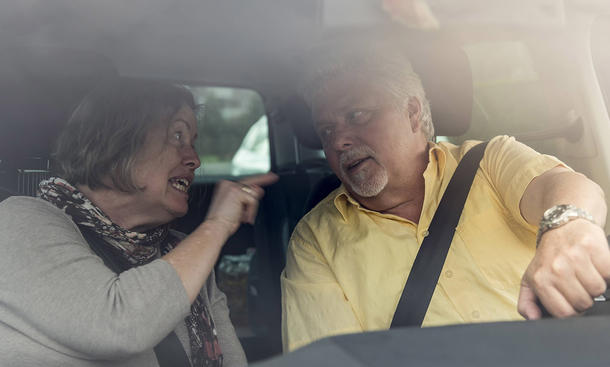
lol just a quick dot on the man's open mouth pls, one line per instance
(355, 164)
(180, 183)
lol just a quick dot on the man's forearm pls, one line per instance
(572, 261)
(562, 186)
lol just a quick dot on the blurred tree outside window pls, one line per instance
(233, 133)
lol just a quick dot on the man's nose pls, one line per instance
(342, 139)
(191, 158)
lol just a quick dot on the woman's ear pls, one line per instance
(414, 113)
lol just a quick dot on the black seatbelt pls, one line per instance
(169, 351)
(432, 253)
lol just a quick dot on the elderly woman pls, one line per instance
(91, 274)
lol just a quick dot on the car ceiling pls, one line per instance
(178, 39)
(52, 51)
(209, 40)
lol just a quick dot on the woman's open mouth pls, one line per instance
(180, 183)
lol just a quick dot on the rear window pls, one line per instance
(233, 132)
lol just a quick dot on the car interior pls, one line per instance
(538, 70)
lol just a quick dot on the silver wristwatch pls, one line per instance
(559, 215)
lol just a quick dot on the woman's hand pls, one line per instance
(235, 203)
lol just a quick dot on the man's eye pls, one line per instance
(357, 116)
(178, 136)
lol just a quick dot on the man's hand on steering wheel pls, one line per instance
(570, 268)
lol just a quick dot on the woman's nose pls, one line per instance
(191, 158)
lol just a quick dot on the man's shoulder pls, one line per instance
(318, 220)
(495, 144)
(325, 207)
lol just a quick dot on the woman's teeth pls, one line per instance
(180, 184)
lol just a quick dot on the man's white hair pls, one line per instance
(376, 61)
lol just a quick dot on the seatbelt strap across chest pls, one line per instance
(433, 251)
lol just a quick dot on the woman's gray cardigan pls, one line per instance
(61, 306)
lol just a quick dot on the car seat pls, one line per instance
(5, 193)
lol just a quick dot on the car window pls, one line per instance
(601, 57)
(508, 95)
(233, 132)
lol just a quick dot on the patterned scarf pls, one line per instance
(134, 249)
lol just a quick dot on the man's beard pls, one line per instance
(368, 181)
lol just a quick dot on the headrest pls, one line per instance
(445, 73)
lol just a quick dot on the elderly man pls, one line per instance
(349, 258)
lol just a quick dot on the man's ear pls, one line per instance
(414, 113)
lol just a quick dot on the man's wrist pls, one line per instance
(558, 215)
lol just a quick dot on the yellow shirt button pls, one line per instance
(425, 233)
(448, 273)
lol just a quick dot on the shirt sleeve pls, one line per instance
(56, 291)
(313, 303)
(233, 353)
(510, 167)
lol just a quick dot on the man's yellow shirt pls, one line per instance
(346, 266)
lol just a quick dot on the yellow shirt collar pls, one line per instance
(436, 163)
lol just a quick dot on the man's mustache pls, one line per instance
(359, 152)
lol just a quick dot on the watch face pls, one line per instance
(555, 212)
(559, 215)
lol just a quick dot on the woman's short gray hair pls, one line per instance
(109, 127)
(374, 60)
